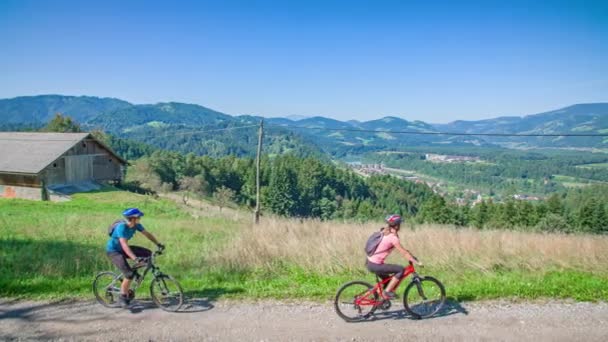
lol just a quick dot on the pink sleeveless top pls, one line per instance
(385, 248)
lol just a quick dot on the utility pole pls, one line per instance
(257, 176)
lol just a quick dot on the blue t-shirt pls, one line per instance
(121, 231)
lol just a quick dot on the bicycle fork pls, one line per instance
(418, 284)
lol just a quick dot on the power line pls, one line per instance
(359, 130)
(162, 135)
(207, 131)
(449, 133)
(21, 139)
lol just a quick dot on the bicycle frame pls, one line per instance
(150, 266)
(367, 297)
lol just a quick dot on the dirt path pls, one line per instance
(274, 321)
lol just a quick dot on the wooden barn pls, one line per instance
(38, 165)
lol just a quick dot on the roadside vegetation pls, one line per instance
(53, 250)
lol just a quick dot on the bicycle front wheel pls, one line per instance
(355, 301)
(106, 288)
(167, 293)
(424, 297)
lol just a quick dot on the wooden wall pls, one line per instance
(87, 160)
(55, 173)
(19, 180)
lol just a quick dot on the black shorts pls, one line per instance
(119, 259)
(385, 270)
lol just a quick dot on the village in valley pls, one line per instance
(461, 196)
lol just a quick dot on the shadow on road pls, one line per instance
(194, 301)
(48, 312)
(27, 312)
(202, 300)
(451, 307)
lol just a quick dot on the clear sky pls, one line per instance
(435, 61)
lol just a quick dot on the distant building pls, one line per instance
(442, 158)
(368, 169)
(35, 165)
(521, 197)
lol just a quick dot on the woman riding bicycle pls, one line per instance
(390, 240)
(118, 249)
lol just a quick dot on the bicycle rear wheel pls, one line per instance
(106, 288)
(355, 301)
(424, 297)
(167, 293)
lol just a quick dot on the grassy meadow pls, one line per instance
(53, 250)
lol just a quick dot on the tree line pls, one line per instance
(500, 170)
(290, 186)
(577, 210)
(309, 187)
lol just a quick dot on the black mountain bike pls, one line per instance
(165, 291)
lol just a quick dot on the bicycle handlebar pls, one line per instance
(159, 250)
(418, 263)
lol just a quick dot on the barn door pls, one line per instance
(78, 168)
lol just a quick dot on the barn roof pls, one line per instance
(26, 152)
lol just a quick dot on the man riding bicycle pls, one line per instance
(118, 249)
(390, 240)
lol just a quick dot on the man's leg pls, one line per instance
(120, 261)
(124, 287)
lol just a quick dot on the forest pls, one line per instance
(293, 185)
(501, 170)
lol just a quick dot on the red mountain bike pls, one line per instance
(358, 300)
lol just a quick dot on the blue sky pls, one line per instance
(435, 61)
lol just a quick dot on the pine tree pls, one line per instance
(282, 196)
(586, 217)
(555, 205)
(480, 214)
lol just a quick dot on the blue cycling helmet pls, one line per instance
(132, 212)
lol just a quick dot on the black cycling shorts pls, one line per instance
(120, 259)
(385, 270)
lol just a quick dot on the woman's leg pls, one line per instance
(382, 269)
(398, 271)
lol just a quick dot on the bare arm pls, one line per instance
(126, 248)
(407, 254)
(150, 237)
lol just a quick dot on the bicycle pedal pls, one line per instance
(385, 305)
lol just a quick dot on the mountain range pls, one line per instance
(197, 129)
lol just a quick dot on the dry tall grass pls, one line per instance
(331, 247)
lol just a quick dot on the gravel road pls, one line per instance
(277, 321)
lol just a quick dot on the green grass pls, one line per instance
(594, 166)
(573, 182)
(53, 250)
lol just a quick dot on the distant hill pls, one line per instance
(296, 117)
(182, 127)
(580, 118)
(196, 129)
(172, 113)
(36, 109)
(341, 138)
